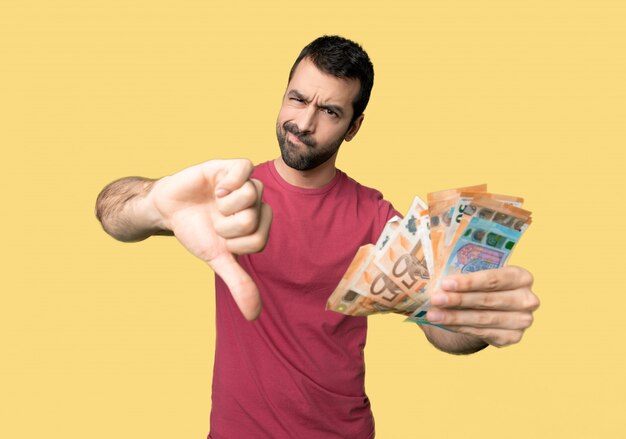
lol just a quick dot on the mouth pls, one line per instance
(292, 138)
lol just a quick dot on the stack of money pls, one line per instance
(458, 231)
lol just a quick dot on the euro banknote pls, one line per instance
(459, 231)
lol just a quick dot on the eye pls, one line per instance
(329, 112)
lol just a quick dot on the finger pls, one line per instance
(231, 176)
(495, 337)
(256, 242)
(242, 223)
(507, 278)
(481, 319)
(499, 301)
(241, 286)
(248, 195)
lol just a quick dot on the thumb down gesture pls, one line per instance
(215, 210)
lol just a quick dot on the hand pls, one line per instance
(495, 306)
(215, 211)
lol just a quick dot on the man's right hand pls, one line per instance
(215, 210)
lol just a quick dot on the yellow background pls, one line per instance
(101, 339)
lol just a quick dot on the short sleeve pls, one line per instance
(386, 211)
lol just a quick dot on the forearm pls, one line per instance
(126, 211)
(452, 342)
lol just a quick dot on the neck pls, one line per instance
(311, 179)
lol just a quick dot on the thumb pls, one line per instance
(240, 284)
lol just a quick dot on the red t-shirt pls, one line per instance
(297, 372)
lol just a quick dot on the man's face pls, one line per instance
(315, 116)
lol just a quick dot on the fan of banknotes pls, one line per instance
(459, 231)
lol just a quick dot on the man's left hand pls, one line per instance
(495, 306)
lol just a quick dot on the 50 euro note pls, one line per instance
(403, 260)
(344, 300)
(352, 296)
(372, 283)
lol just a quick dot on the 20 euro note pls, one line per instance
(440, 207)
(491, 210)
(484, 208)
(463, 205)
(484, 245)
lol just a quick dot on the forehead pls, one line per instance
(315, 84)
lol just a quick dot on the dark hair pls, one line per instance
(341, 58)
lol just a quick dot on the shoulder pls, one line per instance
(365, 193)
(370, 198)
(261, 171)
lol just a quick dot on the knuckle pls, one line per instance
(246, 164)
(248, 222)
(257, 243)
(491, 280)
(508, 339)
(249, 244)
(522, 276)
(236, 247)
(515, 337)
(531, 302)
(259, 187)
(464, 330)
(499, 341)
(465, 283)
(524, 320)
(450, 318)
(489, 301)
(249, 193)
(481, 332)
(454, 300)
(224, 205)
(485, 319)
(536, 303)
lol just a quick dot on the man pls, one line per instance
(297, 371)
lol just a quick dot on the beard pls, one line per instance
(303, 157)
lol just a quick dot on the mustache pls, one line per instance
(293, 129)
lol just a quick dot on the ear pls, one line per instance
(354, 128)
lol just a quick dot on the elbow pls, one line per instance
(107, 213)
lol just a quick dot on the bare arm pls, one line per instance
(452, 342)
(214, 209)
(125, 211)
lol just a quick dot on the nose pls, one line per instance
(307, 119)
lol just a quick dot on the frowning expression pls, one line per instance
(315, 116)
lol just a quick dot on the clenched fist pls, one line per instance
(495, 306)
(214, 209)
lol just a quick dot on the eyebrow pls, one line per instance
(335, 108)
